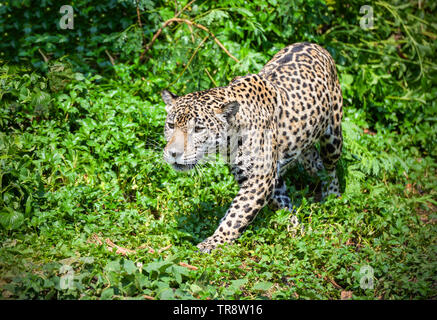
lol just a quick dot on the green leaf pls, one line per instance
(107, 294)
(264, 285)
(11, 219)
(244, 12)
(194, 288)
(28, 207)
(167, 294)
(80, 77)
(347, 78)
(237, 284)
(129, 266)
(113, 266)
(142, 280)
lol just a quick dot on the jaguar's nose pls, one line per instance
(175, 154)
(174, 149)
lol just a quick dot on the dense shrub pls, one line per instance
(81, 123)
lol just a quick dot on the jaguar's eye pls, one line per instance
(170, 125)
(198, 129)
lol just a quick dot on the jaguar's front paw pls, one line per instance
(210, 243)
(294, 225)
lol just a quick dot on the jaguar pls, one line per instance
(262, 124)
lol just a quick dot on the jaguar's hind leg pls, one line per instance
(311, 161)
(281, 200)
(330, 147)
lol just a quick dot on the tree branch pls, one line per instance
(110, 57)
(43, 55)
(190, 23)
(156, 35)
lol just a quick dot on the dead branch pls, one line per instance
(43, 55)
(186, 265)
(165, 248)
(119, 250)
(190, 23)
(110, 57)
(156, 35)
(138, 15)
(140, 23)
(210, 77)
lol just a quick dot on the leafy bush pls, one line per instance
(90, 211)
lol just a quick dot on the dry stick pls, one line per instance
(183, 9)
(110, 57)
(138, 14)
(210, 77)
(215, 38)
(189, 266)
(156, 35)
(211, 34)
(139, 22)
(165, 248)
(191, 31)
(43, 55)
(191, 23)
(119, 250)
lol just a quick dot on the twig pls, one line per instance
(211, 34)
(166, 23)
(335, 284)
(95, 239)
(119, 250)
(139, 22)
(326, 278)
(183, 9)
(43, 56)
(199, 26)
(144, 246)
(189, 266)
(191, 31)
(110, 57)
(138, 14)
(165, 248)
(210, 77)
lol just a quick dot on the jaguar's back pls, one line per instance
(306, 77)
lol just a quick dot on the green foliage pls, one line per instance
(31, 29)
(81, 154)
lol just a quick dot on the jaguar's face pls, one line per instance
(194, 127)
(187, 138)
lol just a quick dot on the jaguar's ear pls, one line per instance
(230, 109)
(168, 98)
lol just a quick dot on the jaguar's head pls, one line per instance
(196, 125)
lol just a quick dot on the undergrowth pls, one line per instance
(90, 211)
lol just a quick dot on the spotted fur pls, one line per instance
(278, 116)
